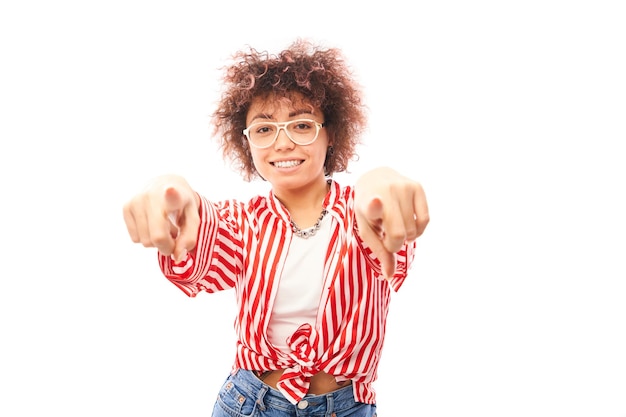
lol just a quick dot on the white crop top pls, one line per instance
(300, 286)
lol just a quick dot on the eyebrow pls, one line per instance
(296, 112)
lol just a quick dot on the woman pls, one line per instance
(313, 263)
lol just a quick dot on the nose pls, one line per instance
(282, 140)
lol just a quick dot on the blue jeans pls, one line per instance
(245, 395)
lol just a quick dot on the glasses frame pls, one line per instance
(283, 126)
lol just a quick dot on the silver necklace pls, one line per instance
(307, 233)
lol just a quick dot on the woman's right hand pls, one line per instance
(165, 216)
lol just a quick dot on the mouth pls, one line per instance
(287, 164)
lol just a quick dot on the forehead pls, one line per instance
(272, 104)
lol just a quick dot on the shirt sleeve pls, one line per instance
(216, 260)
(404, 260)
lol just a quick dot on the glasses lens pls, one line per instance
(262, 134)
(302, 132)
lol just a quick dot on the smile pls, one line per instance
(286, 164)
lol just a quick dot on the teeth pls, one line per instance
(286, 164)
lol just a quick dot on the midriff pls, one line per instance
(321, 383)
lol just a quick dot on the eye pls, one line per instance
(303, 125)
(263, 129)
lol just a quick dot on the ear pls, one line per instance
(330, 153)
(330, 137)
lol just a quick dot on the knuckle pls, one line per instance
(411, 233)
(394, 240)
(161, 240)
(396, 235)
(189, 243)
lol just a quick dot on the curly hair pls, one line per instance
(321, 76)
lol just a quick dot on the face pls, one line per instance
(286, 165)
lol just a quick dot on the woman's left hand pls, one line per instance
(391, 209)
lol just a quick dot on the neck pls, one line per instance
(304, 205)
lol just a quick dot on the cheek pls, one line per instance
(324, 148)
(257, 158)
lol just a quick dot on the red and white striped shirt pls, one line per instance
(244, 246)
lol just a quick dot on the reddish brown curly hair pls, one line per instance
(321, 76)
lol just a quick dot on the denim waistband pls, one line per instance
(269, 397)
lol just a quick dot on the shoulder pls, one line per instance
(339, 195)
(256, 207)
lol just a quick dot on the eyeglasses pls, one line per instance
(301, 132)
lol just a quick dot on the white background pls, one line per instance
(512, 115)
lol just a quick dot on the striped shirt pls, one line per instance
(244, 246)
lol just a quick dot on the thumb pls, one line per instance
(374, 212)
(173, 204)
(183, 213)
(173, 209)
(177, 213)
